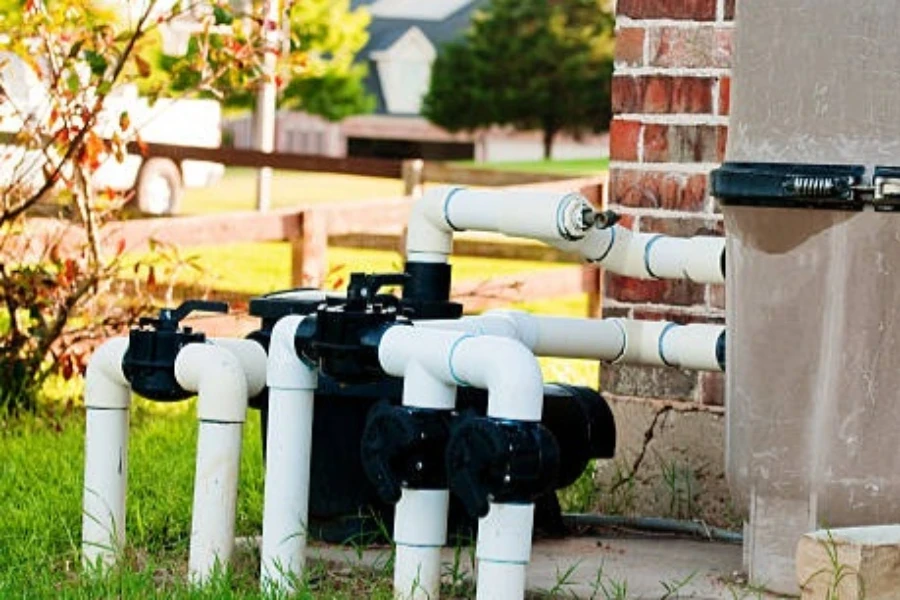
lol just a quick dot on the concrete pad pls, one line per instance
(607, 567)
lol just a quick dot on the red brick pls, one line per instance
(723, 48)
(729, 9)
(681, 143)
(712, 389)
(657, 291)
(630, 46)
(687, 47)
(725, 95)
(649, 189)
(623, 140)
(661, 95)
(692, 95)
(700, 10)
(656, 143)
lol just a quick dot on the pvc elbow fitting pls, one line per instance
(218, 378)
(105, 385)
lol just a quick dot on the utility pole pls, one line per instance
(264, 111)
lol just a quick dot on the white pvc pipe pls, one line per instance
(219, 372)
(556, 219)
(420, 531)
(651, 255)
(420, 517)
(107, 398)
(534, 214)
(510, 373)
(503, 366)
(215, 499)
(657, 343)
(661, 343)
(503, 551)
(292, 385)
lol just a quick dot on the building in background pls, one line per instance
(404, 39)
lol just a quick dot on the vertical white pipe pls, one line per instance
(503, 551)
(107, 398)
(215, 498)
(220, 379)
(420, 517)
(292, 385)
(420, 531)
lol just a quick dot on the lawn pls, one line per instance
(266, 267)
(574, 167)
(237, 190)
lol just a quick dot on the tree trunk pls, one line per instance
(549, 134)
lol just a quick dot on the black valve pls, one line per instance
(149, 362)
(403, 446)
(495, 460)
(342, 337)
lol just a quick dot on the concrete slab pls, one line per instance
(636, 568)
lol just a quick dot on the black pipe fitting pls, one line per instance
(153, 346)
(720, 350)
(495, 460)
(403, 446)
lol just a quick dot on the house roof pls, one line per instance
(385, 31)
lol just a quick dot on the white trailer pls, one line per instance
(158, 183)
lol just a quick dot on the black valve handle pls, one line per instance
(169, 318)
(363, 287)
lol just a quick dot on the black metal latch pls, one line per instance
(787, 185)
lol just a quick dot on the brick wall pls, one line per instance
(670, 96)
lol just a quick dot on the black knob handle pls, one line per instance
(169, 318)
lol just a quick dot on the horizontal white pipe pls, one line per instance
(420, 530)
(107, 397)
(651, 255)
(692, 346)
(215, 498)
(537, 214)
(657, 343)
(292, 385)
(503, 366)
(662, 343)
(562, 337)
(503, 551)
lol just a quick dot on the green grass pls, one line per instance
(583, 166)
(237, 190)
(265, 267)
(41, 475)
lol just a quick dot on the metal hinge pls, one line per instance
(834, 187)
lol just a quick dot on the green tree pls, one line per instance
(318, 74)
(326, 36)
(529, 64)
